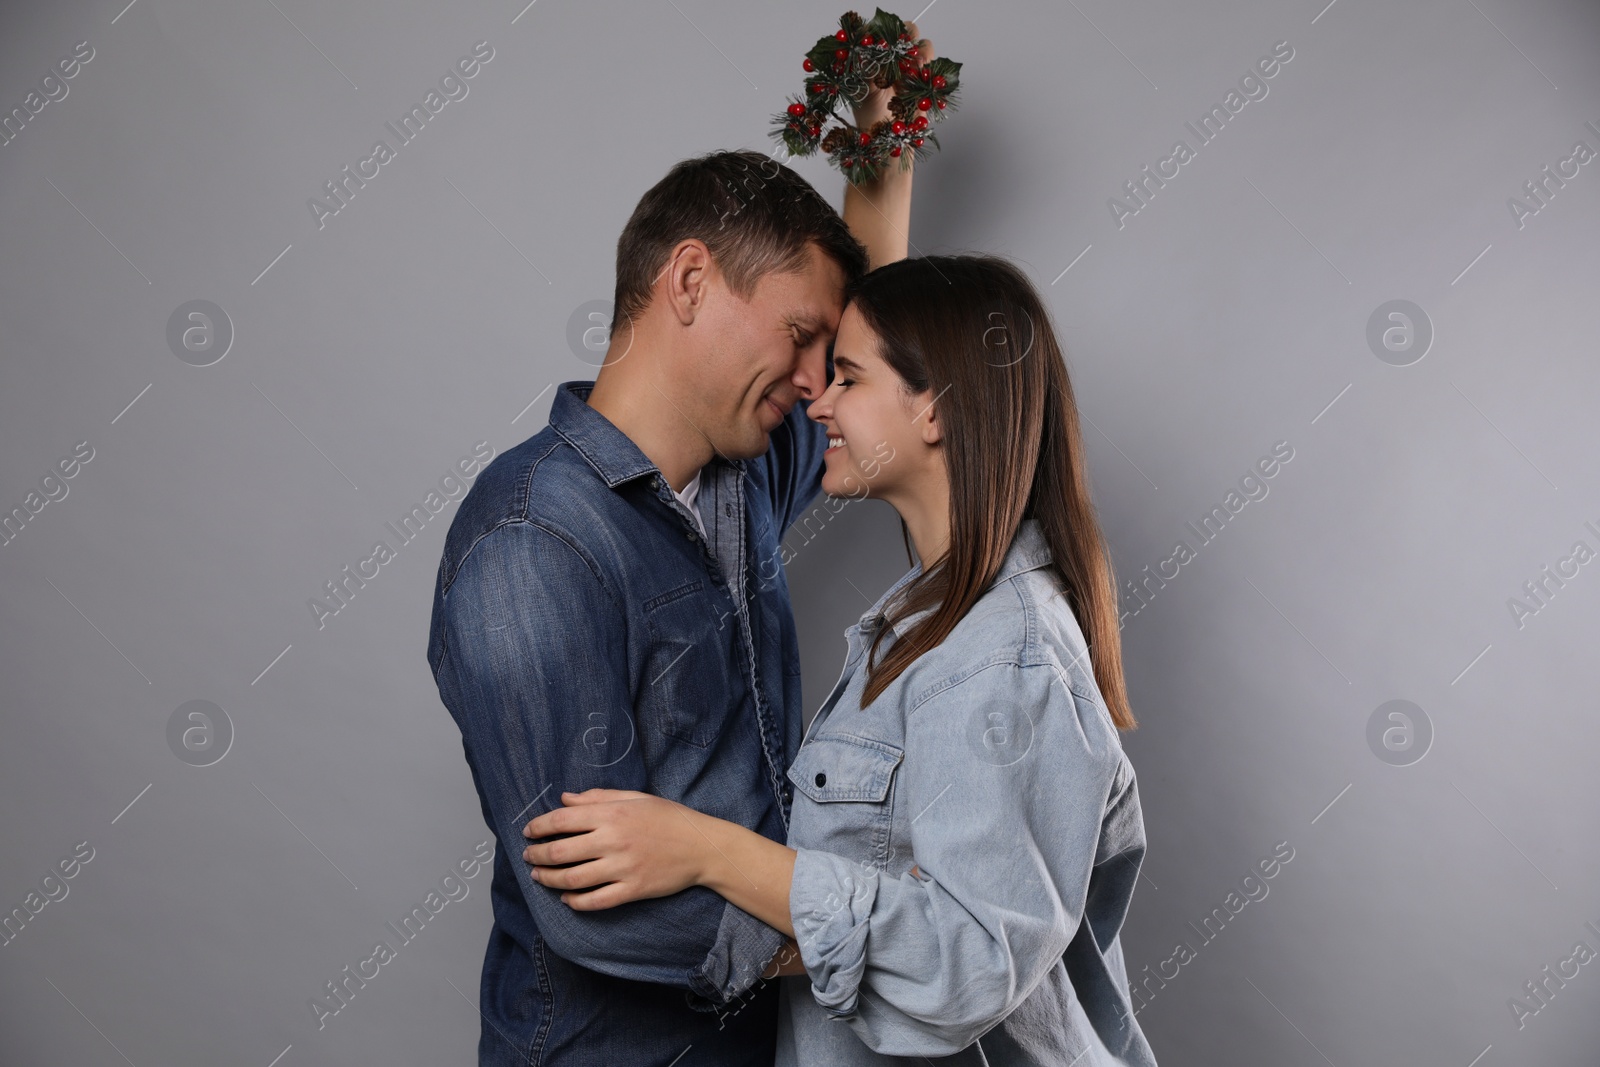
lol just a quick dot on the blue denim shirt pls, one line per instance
(993, 766)
(584, 634)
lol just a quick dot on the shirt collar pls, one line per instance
(1029, 550)
(873, 615)
(690, 491)
(609, 451)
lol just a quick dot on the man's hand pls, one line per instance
(631, 845)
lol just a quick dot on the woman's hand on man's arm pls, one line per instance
(618, 844)
(626, 845)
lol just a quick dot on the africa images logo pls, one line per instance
(452, 86)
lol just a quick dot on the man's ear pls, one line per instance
(687, 277)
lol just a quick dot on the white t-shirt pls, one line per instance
(690, 492)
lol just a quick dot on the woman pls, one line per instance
(966, 832)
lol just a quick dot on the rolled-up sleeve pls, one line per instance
(535, 672)
(1009, 775)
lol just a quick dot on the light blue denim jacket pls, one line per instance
(992, 765)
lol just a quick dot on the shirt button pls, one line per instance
(822, 779)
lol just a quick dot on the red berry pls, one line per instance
(866, 138)
(938, 81)
(842, 36)
(905, 37)
(797, 110)
(867, 40)
(894, 151)
(917, 141)
(919, 123)
(806, 66)
(897, 126)
(924, 104)
(941, 105)
(840, 53)
(912, 52)
(814, 130)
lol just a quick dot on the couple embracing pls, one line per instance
(941, 866)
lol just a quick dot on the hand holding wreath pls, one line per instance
(874, 107)
(896, 87)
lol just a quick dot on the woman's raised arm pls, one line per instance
(879, 212)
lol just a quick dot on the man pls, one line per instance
(609, 612)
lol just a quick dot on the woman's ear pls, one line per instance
(927, 419)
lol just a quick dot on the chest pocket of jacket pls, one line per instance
(691, 682)
(854, 776)
(834, 767)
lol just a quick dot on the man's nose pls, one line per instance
(811, 374)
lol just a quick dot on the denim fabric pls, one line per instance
(993, 766)
(585, 634)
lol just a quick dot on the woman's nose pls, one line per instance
(821, 408)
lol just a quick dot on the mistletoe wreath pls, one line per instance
(846, 66)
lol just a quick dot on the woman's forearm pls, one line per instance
(748, 871)
(879, 214)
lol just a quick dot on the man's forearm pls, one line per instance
(697, 941)
(879, 214)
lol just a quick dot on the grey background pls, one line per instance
(432, 312)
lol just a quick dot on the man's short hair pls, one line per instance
(754, 214)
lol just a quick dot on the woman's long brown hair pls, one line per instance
(973, 331)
